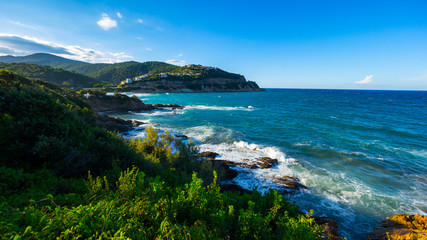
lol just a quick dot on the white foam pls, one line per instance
(160, 113)
(219, 108)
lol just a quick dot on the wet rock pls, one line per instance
(234, 188)
(289, 182)
(170, 106)
(181, 136)
(223, 168)
(330, 227)
(114, 124)
(137, 123)
(122, 103)
(266, 162)
(247, 165)
(209, 155)
(401, 227)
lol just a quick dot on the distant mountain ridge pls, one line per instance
(44, 59)
(158, 76)
(57, 76)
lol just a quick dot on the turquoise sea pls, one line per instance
(361, 154)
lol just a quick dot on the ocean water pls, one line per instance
(361, 154)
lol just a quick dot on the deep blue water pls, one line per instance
(362, 154)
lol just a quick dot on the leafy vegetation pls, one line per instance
(120, 71)
(57, 76)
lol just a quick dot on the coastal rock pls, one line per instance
(247, 165)
(209, 155)
(170, 106)
(234, 188)
(289, 182)
(120, 103)
(266, 162)
(224, 168)
(181, 136)
(330, 227)
(401, 227)
(205, 84)
(115, 124)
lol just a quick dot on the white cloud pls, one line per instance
(121, 55)
(24, 45)
(139, 38)
(106, 22)
(176, 62)
(368, 79)
(119, 15)
(180, 55)
(140, 20)
(149, 49)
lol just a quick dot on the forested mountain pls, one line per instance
(147, 76)
(120, 71)
(42, 59)
(57, 76)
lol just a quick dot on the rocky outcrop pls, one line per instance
(124, 103)
(169, 106)
(224, 168)
(208, 155)
(289, 182)
(401, 227)
(196, 85)
(266, 162)
(116, 124)
(330, 227)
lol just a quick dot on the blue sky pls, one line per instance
(287, 44)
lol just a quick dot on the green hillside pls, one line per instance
(57, 76)
(120, 71)
(140, 189)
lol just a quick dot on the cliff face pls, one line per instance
(195, 85)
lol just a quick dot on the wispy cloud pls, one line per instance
(119, 15)
(140, 20)
(180, 55)
(121, 55)
(368, 79)
(139, 38)
(23, 45)
(149, 49)
(22, 24)
(176, 62)
(106, 22)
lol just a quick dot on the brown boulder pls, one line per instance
(330, 227)
(266, 162)
(401, 227)
(170, 106)
(209, 155)
(247, 165)
(224, 168)
(289, 182)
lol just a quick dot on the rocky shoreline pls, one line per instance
(397, 227)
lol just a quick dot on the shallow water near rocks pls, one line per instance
(361, 154)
